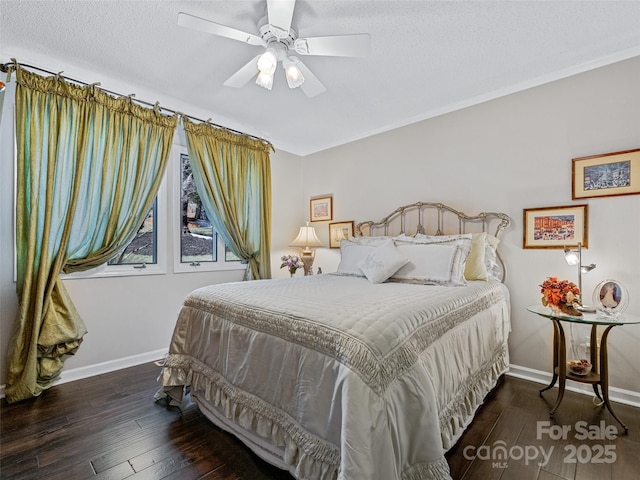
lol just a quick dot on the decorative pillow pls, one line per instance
(383, 262)
(351, 254)
(441, 264)
(475, 267)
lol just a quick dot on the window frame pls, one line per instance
(221, 264)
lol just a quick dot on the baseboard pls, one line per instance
(619, 395)
(104, 367)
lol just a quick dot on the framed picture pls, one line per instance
(339, 231)
(321, 209)
(610, 297)
(606, 175)
(555, 227)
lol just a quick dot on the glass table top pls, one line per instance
(597, 318)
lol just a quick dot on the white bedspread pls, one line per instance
(375, 384)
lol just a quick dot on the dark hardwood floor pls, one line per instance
(109, 428)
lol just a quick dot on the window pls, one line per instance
(198, 242)
(143, 249)
(199, 247)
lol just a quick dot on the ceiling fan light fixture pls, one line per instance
(292, 72)
(268, 61)
(265, 80)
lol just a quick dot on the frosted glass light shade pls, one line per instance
(265, 80)
(292, 71)
(268, 61)
(572, 256)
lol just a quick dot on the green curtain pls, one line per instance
(89, 168)
(233, 176)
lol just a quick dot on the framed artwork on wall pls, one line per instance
(606, 175)
(321, 209)
(339, 231)
(555, 227)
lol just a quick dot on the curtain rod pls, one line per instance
(12, 65)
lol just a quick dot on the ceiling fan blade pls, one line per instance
(204, 25)
(356, 45)
(242, 76)
(311, 86)
(280, 13)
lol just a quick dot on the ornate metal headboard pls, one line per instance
(440, 219)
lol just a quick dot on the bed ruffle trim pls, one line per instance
(458, 414)
(439, 470)
(312, 456)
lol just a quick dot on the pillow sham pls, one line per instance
(383, 262)
(351, 254)
(371, 241)
(431, 239)
(481, 263)
(440, 264)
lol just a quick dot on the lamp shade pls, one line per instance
(572, 256)
(265, 80)
(292, 72)
(306, 238)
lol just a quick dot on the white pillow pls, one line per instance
(439, 264)
(383, 262)
(351, 254)
(481, 262)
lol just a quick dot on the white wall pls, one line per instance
(506, 155)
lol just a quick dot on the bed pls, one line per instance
(361, 373)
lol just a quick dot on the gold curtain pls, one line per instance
(233, 176)
(89, 167)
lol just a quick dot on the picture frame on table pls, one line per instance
(321, 209)
(556, 227)
(606, 175)
(339, 231)
(610, 297)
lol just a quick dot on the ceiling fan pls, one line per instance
(279, 40)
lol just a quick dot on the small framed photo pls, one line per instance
(606, 175)
(339, 231)
(555, 227)
(321, 209)
(610, 297)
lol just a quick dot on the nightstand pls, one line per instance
(598, 377)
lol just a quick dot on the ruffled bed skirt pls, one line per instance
(282, 442)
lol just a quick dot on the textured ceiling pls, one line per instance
(427, 58)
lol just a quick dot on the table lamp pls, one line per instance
(574, 257)
(305, 240)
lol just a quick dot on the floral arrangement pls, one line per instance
(561, 295)
(292, 262)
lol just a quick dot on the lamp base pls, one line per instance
(307, 259)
